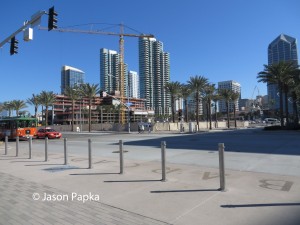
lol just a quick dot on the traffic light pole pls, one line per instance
(27, 23)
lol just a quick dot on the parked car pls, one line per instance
(48, 132)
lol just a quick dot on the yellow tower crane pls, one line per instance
(121, 35)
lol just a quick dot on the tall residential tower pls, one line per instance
(109, 71)
(154, 69)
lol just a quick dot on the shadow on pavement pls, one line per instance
(175, 191)
(247, 141)
(260, 205)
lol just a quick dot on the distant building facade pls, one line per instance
(282, 49)
(154, 69)
(110, 71)
(229, 85)
(71, 77)
(133, 84)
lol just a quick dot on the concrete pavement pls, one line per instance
(38, 192)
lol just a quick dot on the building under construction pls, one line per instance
(106, 108)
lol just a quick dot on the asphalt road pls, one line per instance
(254, 150)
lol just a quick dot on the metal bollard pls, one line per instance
(17, 146)
(222, 167)
(65, 151)
(121, 157)
(30, 146)
(163, 160)
(6, 143)
(90, 154)
(46, 149)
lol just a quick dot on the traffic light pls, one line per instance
(131, 116)
(179, 114)
(13, 46)
(52, 20)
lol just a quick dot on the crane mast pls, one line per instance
(121, 35)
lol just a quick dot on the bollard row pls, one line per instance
(221, 148)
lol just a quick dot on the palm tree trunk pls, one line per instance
(186, 110)
(73, 103)
(46, 117)
(197, 110)
(209, 114)
(228, 118)
(90, 115)
(173, 108)
(281, 108)
(216, 116)
(235, 125)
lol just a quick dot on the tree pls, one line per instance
(208, 92)
(226, 95)
(89, 91)
(7, 106)
(73, 94)
(17, 105)
(197, 84)
(174, 89)
(35, 101)
(278, 74)
(234, 98)
(185, 92)
(47, 98)
(216, 97)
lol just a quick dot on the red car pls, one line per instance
(48, 132)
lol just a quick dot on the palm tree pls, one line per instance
(35, 101)
(174, 89)
(89, 91)
(47, 98)
(208, 92)
(73, 94)
(17, 105)
(185, 92)
(216, 97)
(234, 98)
(278, 74)
(226, 95)
(8, 106)
(295, 93)
(197, 84)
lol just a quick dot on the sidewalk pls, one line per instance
(77, 195)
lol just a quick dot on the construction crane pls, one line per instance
(121, 35)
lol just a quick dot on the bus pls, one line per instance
(22, 127)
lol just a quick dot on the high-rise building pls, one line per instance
(283, 48)
(71, 77)
(154, 69)
(229, 85)
(133, 85)
(110, 72)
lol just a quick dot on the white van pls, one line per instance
(271, 120)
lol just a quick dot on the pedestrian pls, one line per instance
(149, 128)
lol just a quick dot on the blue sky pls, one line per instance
(221, 40)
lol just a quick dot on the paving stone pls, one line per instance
(20, 208)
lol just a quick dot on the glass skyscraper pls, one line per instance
(154, 69)
(109, 71)
(283, 48)
(71, 77)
